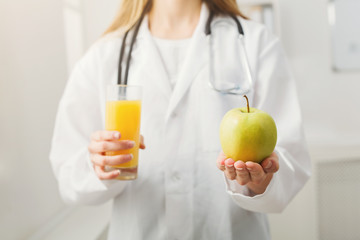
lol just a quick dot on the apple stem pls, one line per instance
(247, 103)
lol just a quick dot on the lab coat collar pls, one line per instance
(193, 63)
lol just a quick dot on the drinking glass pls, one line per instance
(123, 112)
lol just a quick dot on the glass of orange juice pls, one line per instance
(123, 112)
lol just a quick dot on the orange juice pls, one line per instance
(124, 116)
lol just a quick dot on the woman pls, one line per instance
(180, 192)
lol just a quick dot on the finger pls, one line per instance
(142, 143)
(102, 175)
(105, 135)
(105, 146)
(220, 162)
(271, 164)
(242, 174)
(230, 169)
(256, 171)
(102, 160)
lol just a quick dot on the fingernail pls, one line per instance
(131, 156)
(269, 164)
(229, 162)
(117, 172)
(249, 169)
(116, 135)
(240, 169)
(131, 144)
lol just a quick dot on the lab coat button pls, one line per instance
(173, 115)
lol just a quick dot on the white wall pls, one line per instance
(329, 100)
(97, 17)
(32, 77)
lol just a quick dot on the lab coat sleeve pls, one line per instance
(78, 117)
(275, 93)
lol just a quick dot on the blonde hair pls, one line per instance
(131, 10)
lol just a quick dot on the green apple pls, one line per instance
(247, 134)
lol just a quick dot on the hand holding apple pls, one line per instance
(248, 137)
(254, 175)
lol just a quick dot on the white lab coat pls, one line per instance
(180, 193)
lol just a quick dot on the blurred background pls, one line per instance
(42, 39)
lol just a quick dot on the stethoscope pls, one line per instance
(237, 89)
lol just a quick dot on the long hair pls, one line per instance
(130, 12)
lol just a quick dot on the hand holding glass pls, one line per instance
(123, 111)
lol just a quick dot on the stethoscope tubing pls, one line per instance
(123, 46)
(124, 81)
